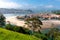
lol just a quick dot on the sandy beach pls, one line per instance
(46, 23)
(15, 21)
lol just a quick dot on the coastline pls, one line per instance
(46, 23)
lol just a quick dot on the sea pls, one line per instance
(10, 15)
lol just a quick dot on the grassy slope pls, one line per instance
(10, 35)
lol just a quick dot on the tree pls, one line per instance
(56, 12)
(2, 20)
(33, 23)
(53, 33)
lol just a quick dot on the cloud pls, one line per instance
(10, 4)
(44, 6)
(49, 6)
(5, 4)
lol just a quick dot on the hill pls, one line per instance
(15, 11)
(10, 35)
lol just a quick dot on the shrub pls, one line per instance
(17, 29)
(9, 27)
(40, 35)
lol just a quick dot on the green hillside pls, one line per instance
(10, 35)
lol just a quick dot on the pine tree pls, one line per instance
(2, 20)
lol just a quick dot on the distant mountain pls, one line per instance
(24, 11)
(15, 11)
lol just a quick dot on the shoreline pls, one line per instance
(46, 23)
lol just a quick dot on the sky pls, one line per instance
(30, 4)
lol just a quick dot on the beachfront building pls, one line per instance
(50, 17)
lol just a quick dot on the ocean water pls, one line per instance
(10, 15)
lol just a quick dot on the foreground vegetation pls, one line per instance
(21, 33)
(10, 35)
